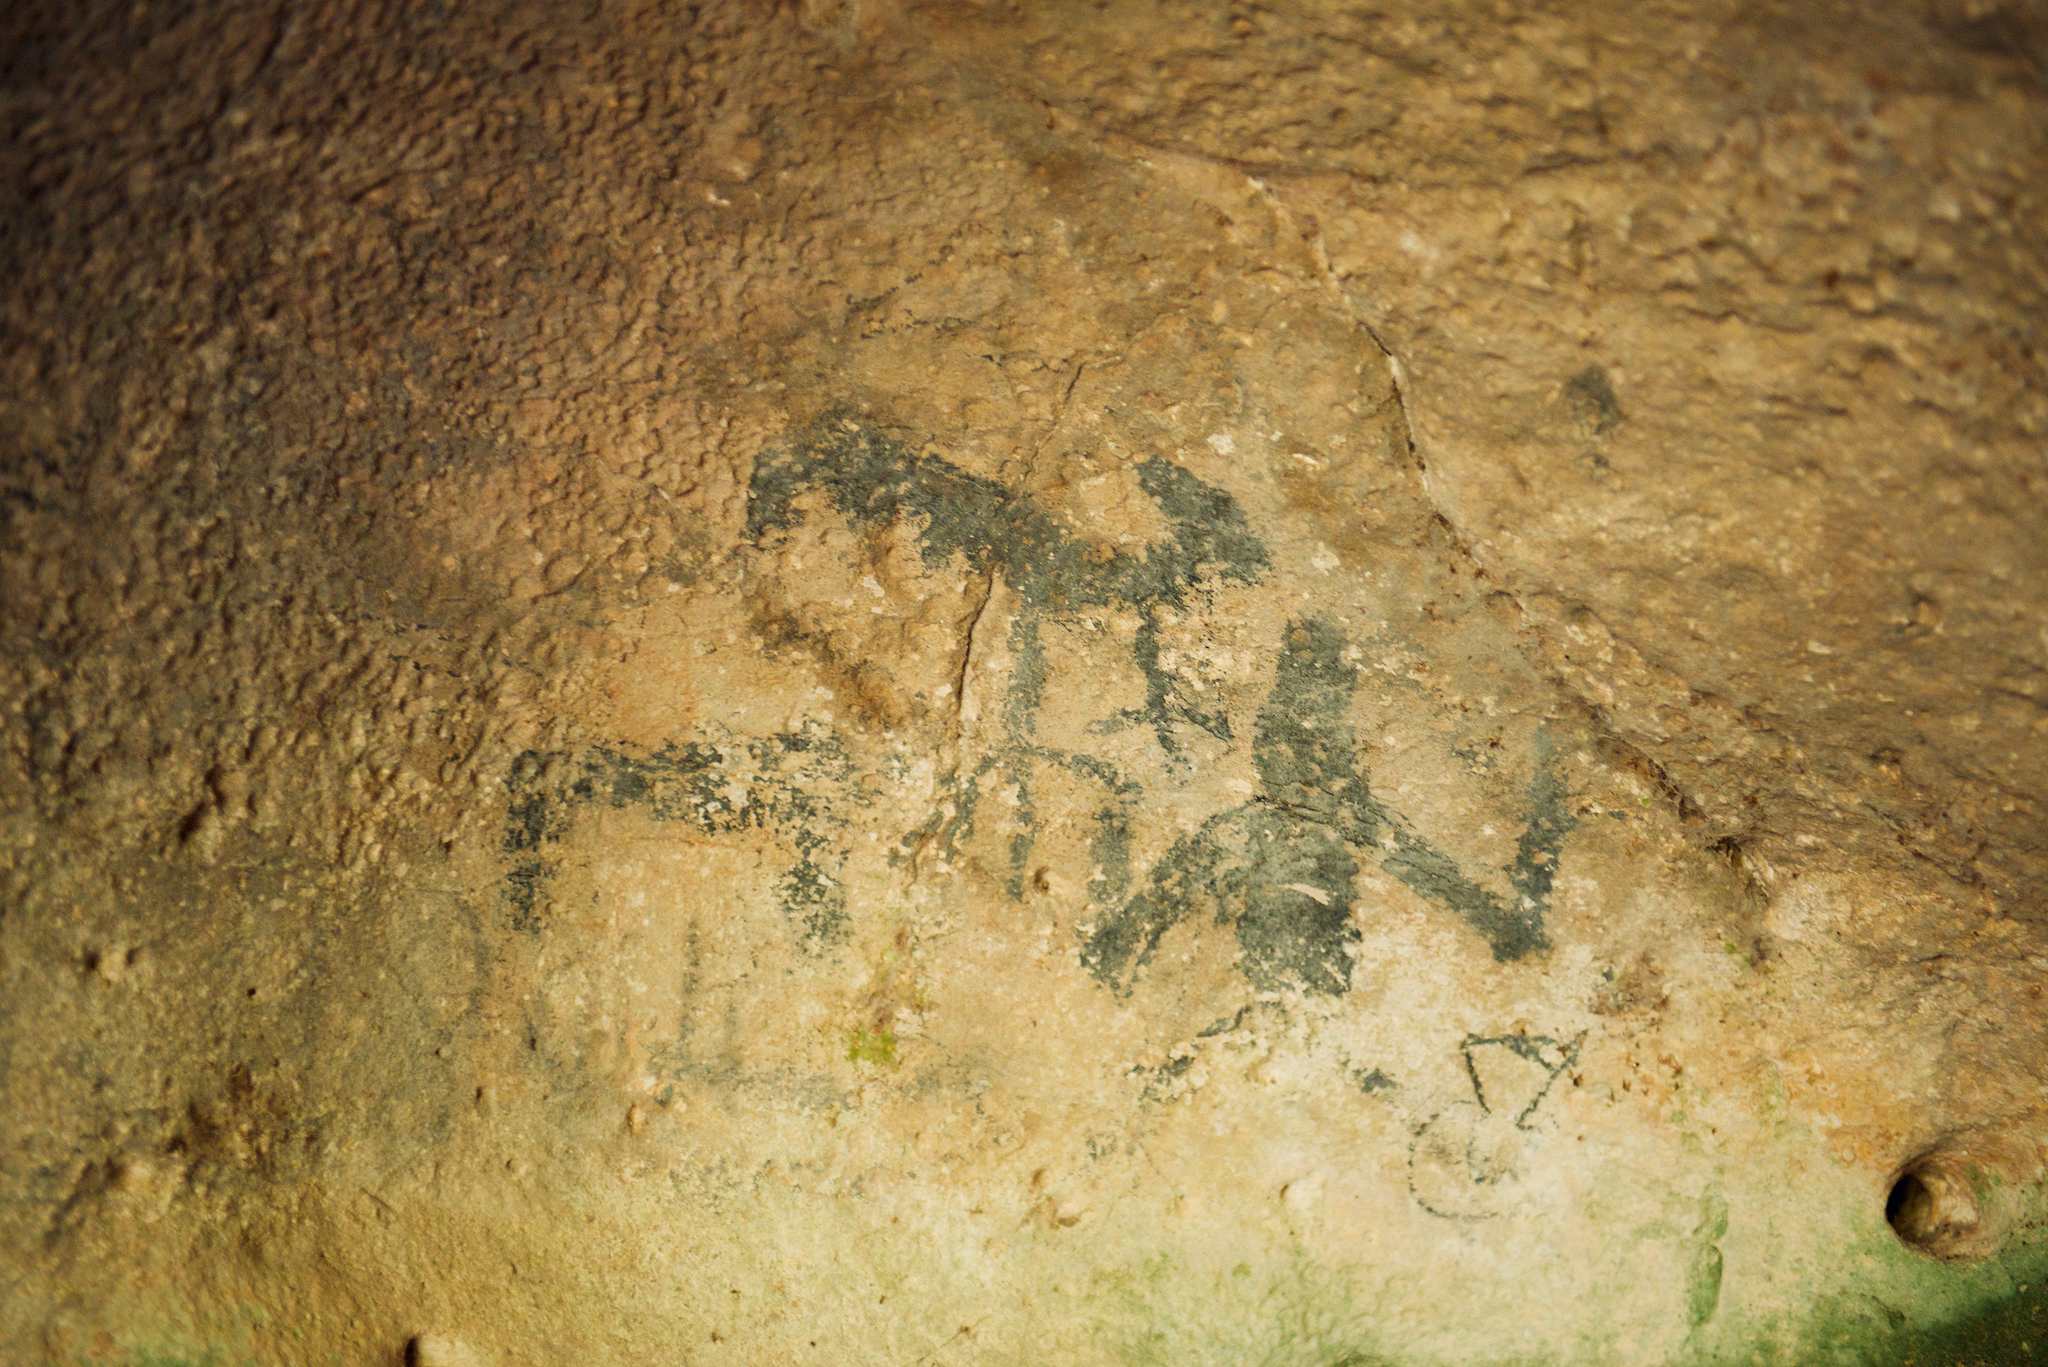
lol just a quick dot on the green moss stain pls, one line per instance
(1162, 1312)
(1862, 1329)
(875, 1047)
(2010, 1329)
(1912, 1314)
(1703, 1273)
(1873, 1302)
(1280, 868)
(1703, 1285)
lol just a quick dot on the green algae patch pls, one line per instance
(1703, 1277)
(876, 1047)
(1900, 1308)
(2008, 1329)
(1161, 1312)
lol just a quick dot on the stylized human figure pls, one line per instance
(1280, 867)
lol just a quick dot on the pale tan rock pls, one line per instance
(905, 683)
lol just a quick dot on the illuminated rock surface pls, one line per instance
(1024, 684)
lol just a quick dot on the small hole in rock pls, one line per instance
(1936, 1206)
(1909, 1207)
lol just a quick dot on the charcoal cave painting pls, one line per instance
(875, 482)
(790, 784)
(1279, 869)
(1465, 1160)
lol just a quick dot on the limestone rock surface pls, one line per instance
(913, 683)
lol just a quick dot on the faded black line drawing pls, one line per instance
(1465, 1160)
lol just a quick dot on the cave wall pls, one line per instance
(914, 683)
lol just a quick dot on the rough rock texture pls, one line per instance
(1045, 683)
